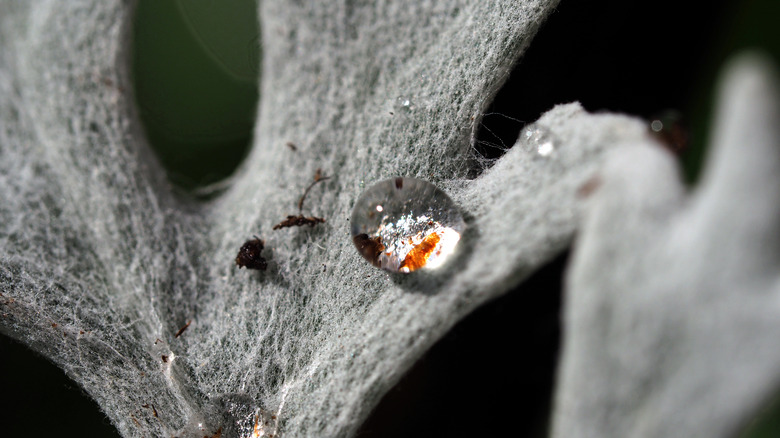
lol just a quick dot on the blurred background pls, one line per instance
(196, 66)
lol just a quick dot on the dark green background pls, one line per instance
(196, 69)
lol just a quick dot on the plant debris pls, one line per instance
(181, 330)
(301, 220)
(154, 410)
(249, 256)
(318, 177)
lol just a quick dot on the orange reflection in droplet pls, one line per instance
(419, 255)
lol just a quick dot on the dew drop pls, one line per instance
(538, 139)
(405, 224)
(404, 105)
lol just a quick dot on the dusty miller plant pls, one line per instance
(102, 263)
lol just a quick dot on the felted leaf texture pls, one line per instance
(133, 290)
(672, 303)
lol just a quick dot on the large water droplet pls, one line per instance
(404, 224)
(538, 139)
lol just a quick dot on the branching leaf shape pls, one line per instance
(102, 263)
(672, 308)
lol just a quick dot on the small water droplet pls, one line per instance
(404, 105)
(404, 224)
(538, 139)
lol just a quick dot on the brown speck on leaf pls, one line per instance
(217, 434)
(164, 358)
(292, 146)
(318, 177)
(298, 221)
(6, 301)
(54, 325)
(301, 220)
(589, 187)
(135, 421)
(399, 183)
(148, 406)
(249, 255)
(181, 330)
(110, 84)
(81, 332)
(157, 340)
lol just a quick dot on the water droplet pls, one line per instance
(404, 105)
(404, 224)
(538, 139)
